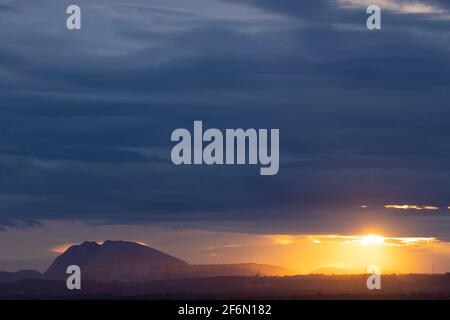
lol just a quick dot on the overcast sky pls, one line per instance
(86, 116)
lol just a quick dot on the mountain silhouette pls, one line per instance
(129, 261)
(115, 260)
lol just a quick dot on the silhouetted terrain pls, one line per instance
(19, 275)
(289, 287)
(128, 261)
(116, 260)
(119, 269)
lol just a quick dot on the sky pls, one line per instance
(86, 118)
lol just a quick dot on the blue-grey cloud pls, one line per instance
(86, 115)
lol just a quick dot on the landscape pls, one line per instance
(128, 270)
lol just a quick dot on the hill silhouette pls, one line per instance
(130, 261)
(115, 260)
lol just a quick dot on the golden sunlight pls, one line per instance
(282, 239)
(372, 239)
(322, 253)
(61, 248)
(411, 206)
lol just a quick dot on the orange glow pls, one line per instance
(350, 254)
(410, 206)
(61, 248)
(282, 239)
(372, 239)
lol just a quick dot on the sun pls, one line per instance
(372, 239)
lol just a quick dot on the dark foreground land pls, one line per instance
(413, 286)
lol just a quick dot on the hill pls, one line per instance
(129, 261)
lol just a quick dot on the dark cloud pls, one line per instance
(85, 117)
(6, 8)
(343, 10)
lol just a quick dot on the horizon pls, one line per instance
(332, 271)
(278, 247)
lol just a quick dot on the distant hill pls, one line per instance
(129, 261)
(116, 260)
(345, 271)
(334, 270)
(239, 269)
(19, 275)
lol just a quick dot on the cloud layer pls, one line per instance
(86, 117)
